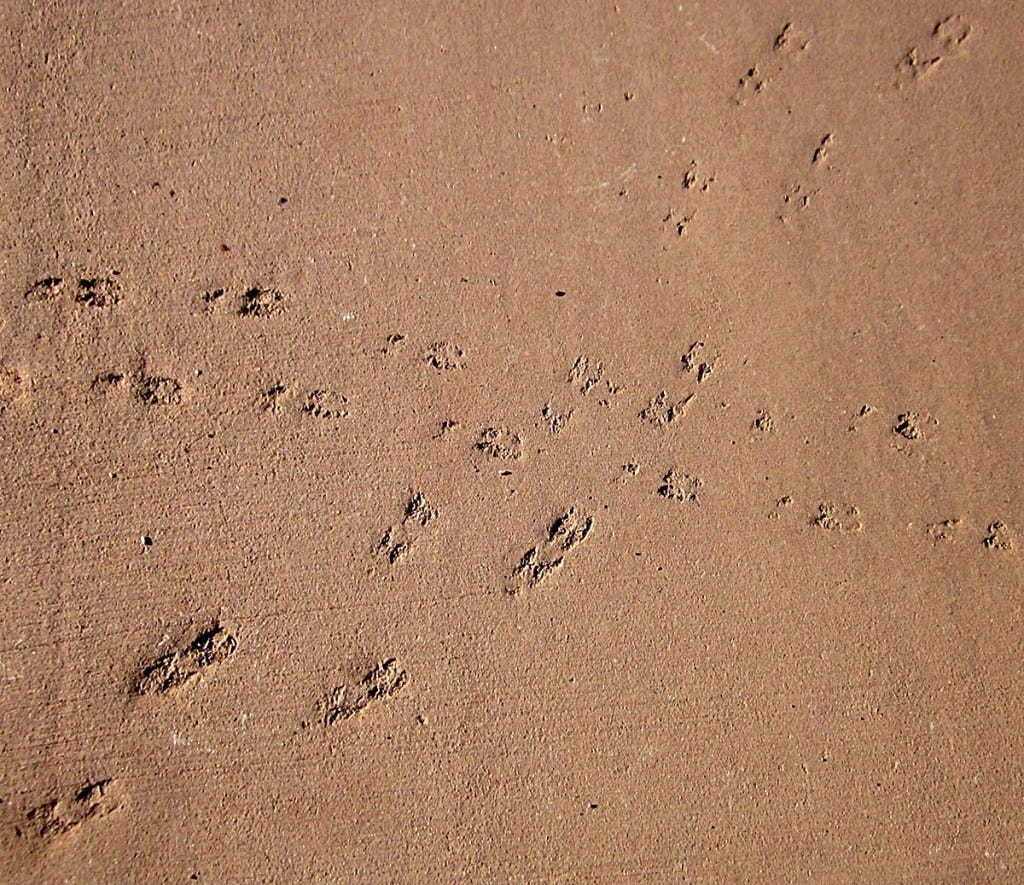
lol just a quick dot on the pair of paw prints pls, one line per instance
(255, 301)
(694, 182)
(96, 292)
(383, 681)
(787, 45)
(586, 375)
(60, 817)
(829, 516)
(320, 403)
(663, 409)
(563, 536)
(444, 356)
(945, 42)
(500, 442)
(146, 388)
(699, 360)
(399, 537)
(841, 518)
(679, 486)
(798, 197)
(178, 668)
(997, 535)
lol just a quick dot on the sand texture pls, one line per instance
(506, 442)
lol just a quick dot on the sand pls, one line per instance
(505, 442)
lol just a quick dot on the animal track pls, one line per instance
(763, 422)
(99, 291)
(212, 298)
(587, 374)
(820, 155)
(787, 44)
(149, 390)
(445, 427)
(398, 538)
(384, 681)
(692, 180)
(392, 342)
(272, 398)
(998, 537)
(12, 389)
(798, 197)
(944, 531)
(910, 425)
(155, 390)
(693, 361)
(445, 357)
(261, 302)
(325, 404)
(555, 421)
(752, 82)
(62, 816)
(660, 411)
(951, 31)
(680, 487)
(946, 38)
(566, 533)
(677, 222)
(500, 442)
(108, 380)
(835, 518)
(177, 669)
(45, 290)
(780, 505)
(862, 413)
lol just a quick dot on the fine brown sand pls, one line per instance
(511, 442)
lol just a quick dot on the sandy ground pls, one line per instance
(568, 442)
